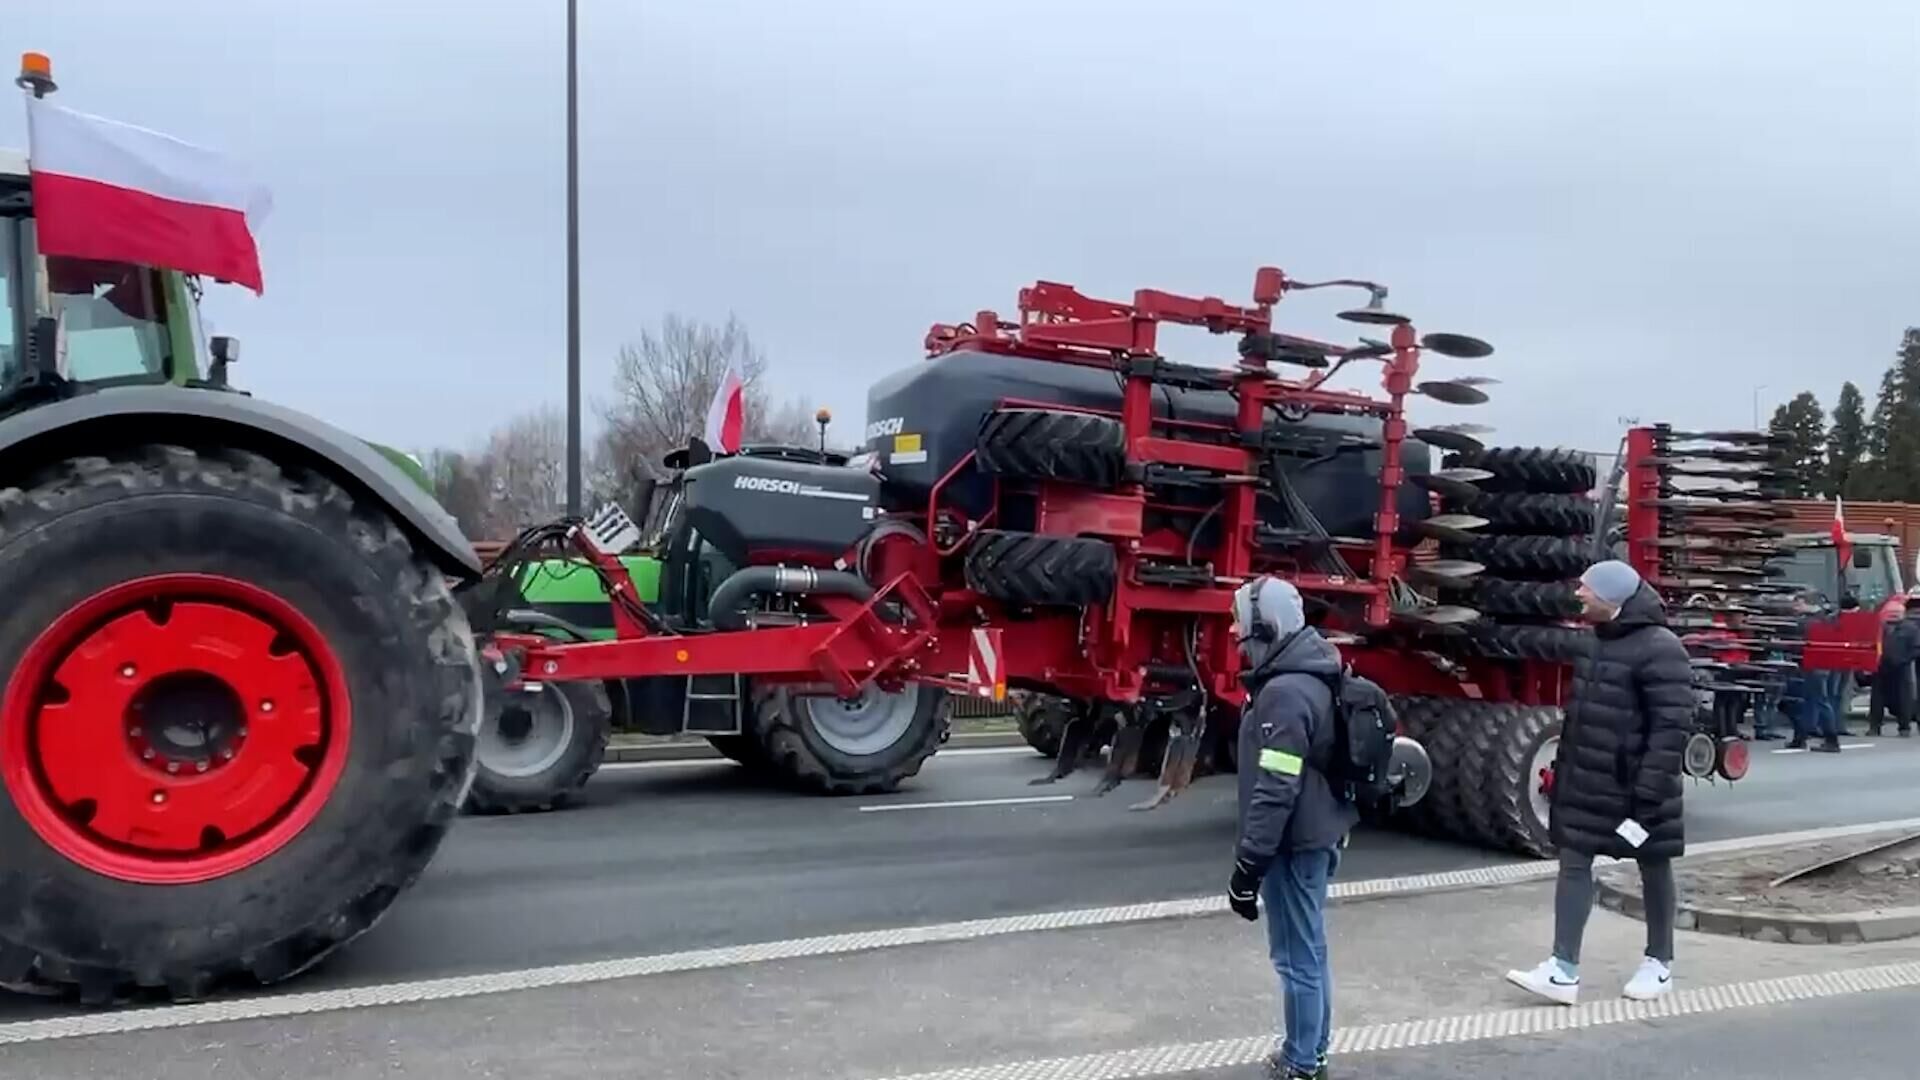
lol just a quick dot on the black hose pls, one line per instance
(725, 608)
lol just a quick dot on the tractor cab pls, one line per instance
(1849, 639)
(69, 325)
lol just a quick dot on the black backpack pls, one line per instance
(1364, 726)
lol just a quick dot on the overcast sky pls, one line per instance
(1651, 209)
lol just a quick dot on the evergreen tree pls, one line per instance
(1802, 429)
(1893, 433)
(1847, 443)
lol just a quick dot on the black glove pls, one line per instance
(1243, 892)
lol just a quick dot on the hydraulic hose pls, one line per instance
(726, 606)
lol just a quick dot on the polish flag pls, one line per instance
(1840, 545)
(118, 193)
(727, 415)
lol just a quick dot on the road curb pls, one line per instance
(1777, 927)
(701, 751)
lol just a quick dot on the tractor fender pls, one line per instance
(91, 421)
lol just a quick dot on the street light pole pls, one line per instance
(573, 263)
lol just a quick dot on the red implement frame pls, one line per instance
(1148, 631)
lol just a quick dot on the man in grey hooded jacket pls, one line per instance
(1292, 824)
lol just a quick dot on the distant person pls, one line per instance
(1616, 780)
(1292, 824)
(1821, 693)
(1893, 680)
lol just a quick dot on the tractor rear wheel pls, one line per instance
(536, 751)
(1048, 444)
(231, 688)
(866, 746)
(1034, 569)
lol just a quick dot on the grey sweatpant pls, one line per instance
(1573, 902)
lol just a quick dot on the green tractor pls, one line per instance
(239, 700)
(541, 743)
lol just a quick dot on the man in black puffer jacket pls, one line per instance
(1616, 782)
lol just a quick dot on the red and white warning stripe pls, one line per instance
(984, 669)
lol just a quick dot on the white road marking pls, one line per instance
(464, 986)
(1843, 746)
(955, 804)
(692, 762)
(1444, 1030)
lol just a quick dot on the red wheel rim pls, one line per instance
(1734, 758)
(174, 729)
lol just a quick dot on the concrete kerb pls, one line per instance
(1778, 927)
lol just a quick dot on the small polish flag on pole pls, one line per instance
(1841, 547)
(119, 193)
(727, 415)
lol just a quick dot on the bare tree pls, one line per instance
(515, 479)
(662, 385)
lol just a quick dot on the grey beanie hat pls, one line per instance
(1269, 601)
(1613, 581)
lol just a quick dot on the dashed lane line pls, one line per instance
(1441, 1030)
(271, 1006)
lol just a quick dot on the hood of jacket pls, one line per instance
(1304, 651)
(1642, 609)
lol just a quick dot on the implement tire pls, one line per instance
(1509, 800)
(1531, 469)
(1505, 641)
(742, 750)
(537, 751)
(1436, 724)
(1527, 558)
(1534, 515)
(1030, 569)
(222, 609)
(866, 747)
(1043, 722)
(1545, 600)
(1045, 444)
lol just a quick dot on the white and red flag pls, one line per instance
(119, 193)
(1841, 547)
(727, 415)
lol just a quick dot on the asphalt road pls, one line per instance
(693, 855)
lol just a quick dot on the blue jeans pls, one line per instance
(1295, 895)
(1821, 702)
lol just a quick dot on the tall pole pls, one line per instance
(573, 263)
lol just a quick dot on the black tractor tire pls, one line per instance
(1534, 515)
(1506, 739)
(1545, 600)
(804, 753)
(372, 658)
(1527, 558)
(1043, 721)
(1029, 569)
(1435, 724)
(1507, 641)
(537, 751)
(1045, 444)
(1531, 469)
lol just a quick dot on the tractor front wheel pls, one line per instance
(238, 718)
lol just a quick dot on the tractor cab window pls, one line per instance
(1815, 567)
(112, 316)
(12, 303)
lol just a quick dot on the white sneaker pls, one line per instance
(1652, 981)
(1550, 981)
